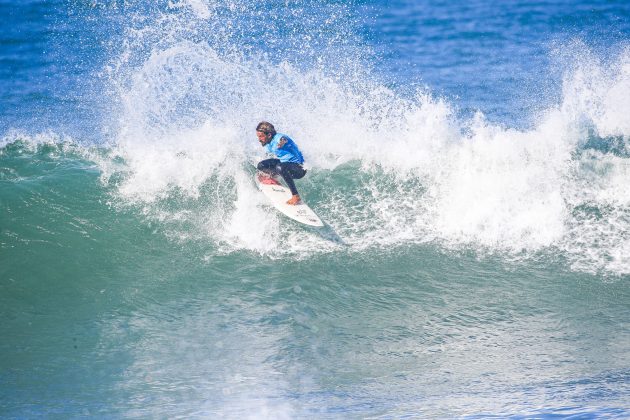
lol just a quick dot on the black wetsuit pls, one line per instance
(288, 170)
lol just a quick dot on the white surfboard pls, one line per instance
(278, 194)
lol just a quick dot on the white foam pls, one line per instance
(419, 173)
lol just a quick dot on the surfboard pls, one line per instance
(278, 194)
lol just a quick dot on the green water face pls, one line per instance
(105, 314)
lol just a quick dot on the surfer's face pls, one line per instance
(262, 137)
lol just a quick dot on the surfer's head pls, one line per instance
(265, 132)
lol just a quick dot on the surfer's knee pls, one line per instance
(300, 173)
(266, 165)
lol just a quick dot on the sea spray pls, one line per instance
(385, 169)
(430, 175)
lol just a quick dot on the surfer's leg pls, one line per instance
(269, 166)
(289, 172)
(296, 170)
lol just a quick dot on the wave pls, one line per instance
(385, 169)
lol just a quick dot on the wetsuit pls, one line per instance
(288, 163)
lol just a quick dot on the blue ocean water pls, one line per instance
(471, 160)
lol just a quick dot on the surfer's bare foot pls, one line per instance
(294, 200)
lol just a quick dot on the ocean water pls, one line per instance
(471, 161)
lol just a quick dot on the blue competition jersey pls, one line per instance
(287, 153)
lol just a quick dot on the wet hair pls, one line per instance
(266, 127)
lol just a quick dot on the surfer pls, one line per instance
(288, 161)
